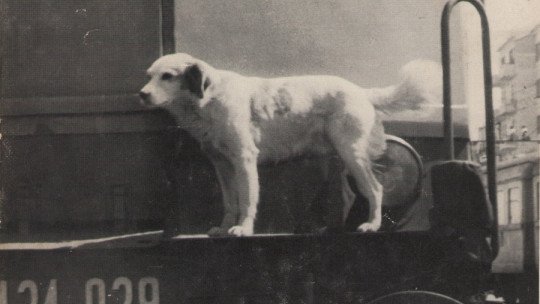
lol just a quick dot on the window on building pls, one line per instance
(537, 52)
(507, 97)
(502, 208)
(514, 202)
(512, 93)
(504, 95)
(538, 88)
(503, 61)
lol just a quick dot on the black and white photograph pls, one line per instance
(269, 151)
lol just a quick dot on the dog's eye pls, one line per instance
(166, 76)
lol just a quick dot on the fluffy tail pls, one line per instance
(420, 83)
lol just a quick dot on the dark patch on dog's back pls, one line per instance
(270, 104)
(283, 101)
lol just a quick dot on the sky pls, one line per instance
(507, 17)
(364, 41)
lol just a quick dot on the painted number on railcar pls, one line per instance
(95, 290)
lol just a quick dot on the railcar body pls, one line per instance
(104, 201)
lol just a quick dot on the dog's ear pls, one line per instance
(196, 80)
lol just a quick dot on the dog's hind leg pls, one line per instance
(371, 188)
(351, 143)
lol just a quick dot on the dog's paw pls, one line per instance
(240, 231)
(217, 231)
(368, 227)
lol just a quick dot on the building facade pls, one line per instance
(517, 128)
(519, 82)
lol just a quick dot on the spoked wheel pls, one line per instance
(415, 297)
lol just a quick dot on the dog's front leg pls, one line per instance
(247, 183)
(225, 176)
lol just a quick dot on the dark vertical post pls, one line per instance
(167, 27)
(490, 119)
(447, 85)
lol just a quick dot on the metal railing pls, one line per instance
(488, 96)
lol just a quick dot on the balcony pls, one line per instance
(507, 73)
(508, 107)
(507, 151)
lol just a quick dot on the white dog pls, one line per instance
(242, 121)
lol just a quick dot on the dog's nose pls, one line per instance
(144, 96)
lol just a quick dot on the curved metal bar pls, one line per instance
(490, 119)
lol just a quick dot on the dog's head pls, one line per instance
(175, 77)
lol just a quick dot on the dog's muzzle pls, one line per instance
(145, 98)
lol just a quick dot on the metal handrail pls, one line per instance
(488, 94)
